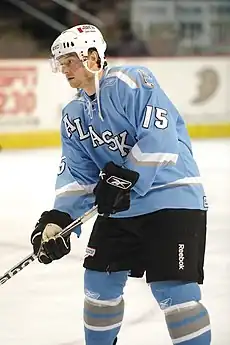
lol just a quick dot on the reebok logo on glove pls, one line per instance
(113, 189)
(119, 182)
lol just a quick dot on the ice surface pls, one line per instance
(42, 305)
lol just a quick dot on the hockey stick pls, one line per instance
(30, 258)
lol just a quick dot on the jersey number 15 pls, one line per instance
(160, 117)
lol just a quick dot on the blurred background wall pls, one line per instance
(176, 36)
(151, 28)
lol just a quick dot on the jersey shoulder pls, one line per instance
(131, 76)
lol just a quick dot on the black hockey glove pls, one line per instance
(46, 236)
(113, 190)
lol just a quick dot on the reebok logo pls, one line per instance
(181, 256)
(166, 303)
(119, 182)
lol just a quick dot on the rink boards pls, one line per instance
(31, 97)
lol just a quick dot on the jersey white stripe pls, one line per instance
(76, 188)
(157, 158)
(125, 78)
(180, 182)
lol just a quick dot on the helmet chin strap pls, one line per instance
(97, 84)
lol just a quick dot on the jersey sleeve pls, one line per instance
(154, 118)
(76, 179)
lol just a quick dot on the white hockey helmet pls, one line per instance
(78, 39)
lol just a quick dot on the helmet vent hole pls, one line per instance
(86, 42)
(72, 44)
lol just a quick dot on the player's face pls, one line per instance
(74, 71)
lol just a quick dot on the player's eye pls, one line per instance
(70, 62)
(66, 63)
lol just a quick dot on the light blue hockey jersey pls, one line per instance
(138, 128)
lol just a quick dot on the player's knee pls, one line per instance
(103, 315)
(104, 304)
(103, 285)
(187, 319)
(169, 293)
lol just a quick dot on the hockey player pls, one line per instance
(126, 149)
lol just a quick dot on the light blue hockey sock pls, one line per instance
(102, 322)
(103, 307)
(186, 318)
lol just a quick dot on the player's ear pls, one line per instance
(93, 58)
